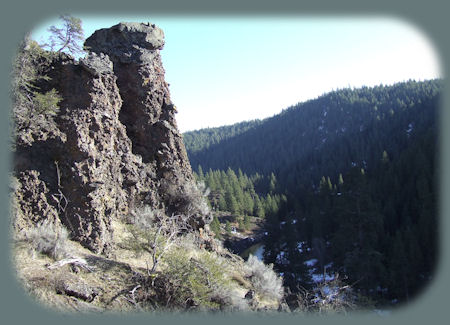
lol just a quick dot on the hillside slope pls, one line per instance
(324, 136)
(358, 169)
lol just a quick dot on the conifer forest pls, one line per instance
(346, 182)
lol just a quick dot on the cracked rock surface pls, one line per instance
(116, 140)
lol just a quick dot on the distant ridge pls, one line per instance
(321, 136)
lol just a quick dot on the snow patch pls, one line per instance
(317, 278)
(409, 129)
(311, 262)
(300, 246)
(281, 259)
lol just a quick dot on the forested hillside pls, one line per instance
(203, 139)
(325, 134)
(358, 170)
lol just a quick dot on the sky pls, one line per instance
(226, 70)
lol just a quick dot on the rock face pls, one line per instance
(117, 144)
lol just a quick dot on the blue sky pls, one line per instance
(225, 70)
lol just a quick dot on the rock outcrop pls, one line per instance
(116, 145)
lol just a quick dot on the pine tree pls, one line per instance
(259, 210)
(341, 179)
(228, 227)
(222, 203)
(201, 176)
(385, 157)
(33, 110)
(272, 183)
(231, 202)
(67, 38)
(215, 227)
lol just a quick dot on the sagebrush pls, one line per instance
(266, 282)
(49, 239)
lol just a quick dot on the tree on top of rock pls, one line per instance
(68, 37)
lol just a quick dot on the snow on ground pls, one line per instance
(300, 246)
(409, 129)
(319, 277)
(311, 262)
(281, 258)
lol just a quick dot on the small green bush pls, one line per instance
(195, 282)
(198, 281)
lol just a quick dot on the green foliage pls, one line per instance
(385, 157)
(206, 138)
(323, 136)
(199, 281)
(228, 227)
(358, 170)
(215, 227)
(33, 109)
(68, 37)
(47, 103)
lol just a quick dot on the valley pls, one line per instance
(345, 182)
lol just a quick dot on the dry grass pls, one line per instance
(110, 278)
(115, 278)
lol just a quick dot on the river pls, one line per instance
(256, 249)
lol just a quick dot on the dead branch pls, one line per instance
(75, 261)
(133, 298)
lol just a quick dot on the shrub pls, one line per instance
(197, 280)
(264, 279)
(33, 109)
(189, 199)
(154, 232)
(330, 297)
(144, 217)
(49, 239)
